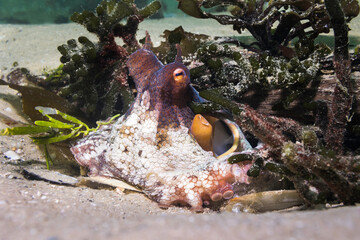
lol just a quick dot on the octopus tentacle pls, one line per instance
(199, 187)
(178, 57)
(148, 43)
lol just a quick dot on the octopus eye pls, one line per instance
(179, 75)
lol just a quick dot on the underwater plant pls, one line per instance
(234, 71)
(189, 43)
(93, 75)
(314, 158)
(283, 56)
(273, 23)
(292, 151)
(342, 102)
(53, 130)
(294, 68)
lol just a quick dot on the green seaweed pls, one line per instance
(189, 43)
(93, 76)
(272, 23)
(310, 140)
(256, 168)
(317, 173)
(53, 130)
(233, 72)
(241, 157)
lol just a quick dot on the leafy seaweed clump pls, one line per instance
(94, 75)
(273, 23)
(294, 152)
(222, 65)
(318, 159)
(234, 71)
(189, 43)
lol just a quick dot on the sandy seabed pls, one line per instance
(40, 210)
(35, 46)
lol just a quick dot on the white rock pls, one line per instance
(12, 155)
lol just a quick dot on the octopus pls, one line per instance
(151, 146)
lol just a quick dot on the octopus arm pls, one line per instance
(198, 187)
(90, 151)
(142, 65)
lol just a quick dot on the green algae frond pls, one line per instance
(54, 130)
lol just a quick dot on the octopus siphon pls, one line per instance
(151, 146)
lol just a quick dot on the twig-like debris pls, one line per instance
(343, 94)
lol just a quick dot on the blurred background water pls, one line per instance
(59, 11)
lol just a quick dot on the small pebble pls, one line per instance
(19, 151)
(53, 238)
(9, 175)
(24, 193)
(12, 155)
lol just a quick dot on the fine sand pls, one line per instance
(35, 46)
(40, 210)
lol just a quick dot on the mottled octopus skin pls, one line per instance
(151, 147)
